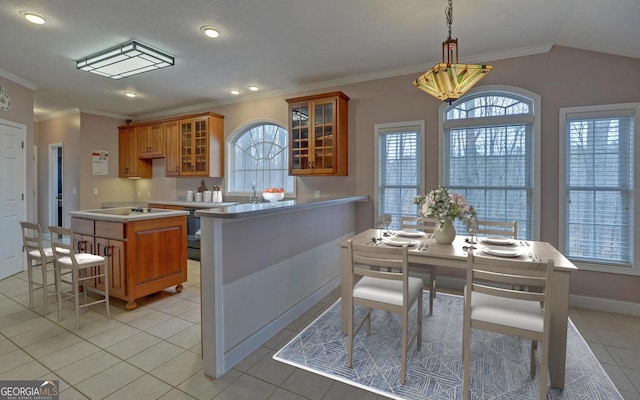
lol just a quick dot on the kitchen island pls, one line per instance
(262, 266)
(145, 248)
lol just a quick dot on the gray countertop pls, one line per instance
(124, 214)
(195, 204)
(283, 206)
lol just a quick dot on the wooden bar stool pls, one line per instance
(86, 271)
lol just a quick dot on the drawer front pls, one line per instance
(82, 226)
(111, 230)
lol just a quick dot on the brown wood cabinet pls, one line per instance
(197, 149)
(151, 142)
(318, 136)
(172, 148)
(143, 256)
(129, 165)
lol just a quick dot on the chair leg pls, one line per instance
(30, 276)
(403, 355)
(532, 368)
(59, 285)
(466, 350)
(76, 296)
(419, 327)
(350, 338)
(45, 286)
(106, 290)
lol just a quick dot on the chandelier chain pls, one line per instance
(449, 16)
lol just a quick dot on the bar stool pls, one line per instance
(37, 255)
(84, 267)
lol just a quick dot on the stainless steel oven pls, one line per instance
(193, 242)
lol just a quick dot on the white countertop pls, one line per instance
(125, 214)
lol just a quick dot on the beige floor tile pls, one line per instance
(18, 315)
(625, 358)
(150, 320)
(14, 359)
(109, 380)
(179, 368)
(270, 370)
(132, 315)
(114, 335)
(145, 387)
(619, 378)
(192, 315)
(308, 384)
(618, 339)
(39, 334)
(176, 394)
(180, 306)
(169, 327)
(634, 377)
(247, 387)
(341, 391)
(201, 386)
(133, 345)
(6, 346)
(52, 344)
(282, 394)
(63, 357)
(155, 356)
(26, 371)
(25, 326)
(187, 338)
(87, 367)
(72, 394)
(97, 326)
(251, 360)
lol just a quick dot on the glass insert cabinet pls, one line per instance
(318, 135)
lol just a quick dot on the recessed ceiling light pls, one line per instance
(234, 91)
(253, 88)
(210, 31)
(33, 17)
(130, 94)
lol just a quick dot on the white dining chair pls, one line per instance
(491, 304)
(427, 225)
(507, 229)
(393, 290)
(83, 267)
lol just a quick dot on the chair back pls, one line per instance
(62, 243)
(427, 225)
(368, 261)
(498, 228)
(32, 239)
(503, 277)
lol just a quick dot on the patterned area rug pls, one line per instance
(499, 370)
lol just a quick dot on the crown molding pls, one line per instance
(16, 79)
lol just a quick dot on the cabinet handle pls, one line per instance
(80, 246)
(107, 251)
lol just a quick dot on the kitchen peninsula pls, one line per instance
(262, 266)
(146, 248)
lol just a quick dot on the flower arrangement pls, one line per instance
(441, 205)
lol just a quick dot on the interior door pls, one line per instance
(11, 196)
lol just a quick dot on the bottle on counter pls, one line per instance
(217, 194)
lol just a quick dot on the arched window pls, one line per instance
(490, 142)
(259, 157)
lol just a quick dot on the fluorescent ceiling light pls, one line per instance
(210, 31)
(130, 94)
(253, 88)
(124, 60)
(234, 91)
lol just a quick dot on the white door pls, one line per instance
(12, 208)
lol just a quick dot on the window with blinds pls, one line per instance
(399, 169)
(259, 154)
(489, 156)
(598, 186)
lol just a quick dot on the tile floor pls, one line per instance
(153, 352)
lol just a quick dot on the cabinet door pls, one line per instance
(128, 162)
(172, 150)
(150, 140)
(323, 142)
(114, 253)
(299, 138)
(194, 143)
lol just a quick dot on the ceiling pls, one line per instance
(281, 46)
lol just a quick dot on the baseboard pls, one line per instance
(591, 303)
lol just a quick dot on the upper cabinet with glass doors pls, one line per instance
(318, 135)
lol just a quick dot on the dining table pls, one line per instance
(426, 251)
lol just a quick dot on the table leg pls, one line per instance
(347, 281)
(559, 322)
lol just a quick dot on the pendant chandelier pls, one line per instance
(449, 80)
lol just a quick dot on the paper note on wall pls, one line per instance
(100, 162)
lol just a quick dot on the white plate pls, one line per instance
(502, 252)
(411, 233)
(399, 242)
(498, 240)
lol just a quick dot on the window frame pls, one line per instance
(593, 111)
(420, 151)
(507, 90)
(230, 155)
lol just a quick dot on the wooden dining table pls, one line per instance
(428, 252)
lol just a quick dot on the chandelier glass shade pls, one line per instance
(449, 80)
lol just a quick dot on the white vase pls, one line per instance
(445, 232)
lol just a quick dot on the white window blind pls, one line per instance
(599, 195)
(488, 156)
(260, 155)
(399, 170)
